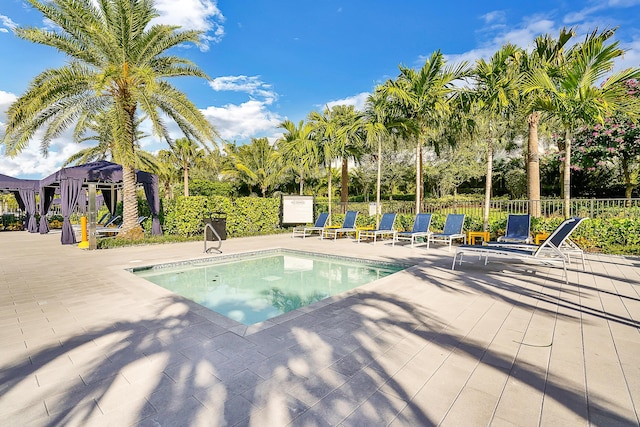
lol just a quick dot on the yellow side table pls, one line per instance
(325, 232)
(541, 237)
(471, 239)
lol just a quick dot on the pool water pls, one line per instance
(251, 288)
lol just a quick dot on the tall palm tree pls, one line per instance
(426, 95)
(116, 60)
(575, 95)
(298, 149)
(548, 53)
(257, 163)
(185, 154)
(493, 93)
(380, 119)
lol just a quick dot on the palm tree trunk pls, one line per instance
(129, 203)
(418, 176)
(487, 187)
(533, 166)
(378, 184)
(344, 184)
(566, 179)
(628, 186)
(301, 184)
(185, 177)
(329, 192)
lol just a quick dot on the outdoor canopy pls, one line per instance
(106, 176)
(24, 191)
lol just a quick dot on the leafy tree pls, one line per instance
(494, 92)
(548, 53)
(617, 140)
(426, 95)
(256, 164)
(184, 155)
(116, 61)
(298, 149)
(571, 94)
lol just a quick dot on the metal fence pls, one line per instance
(590, 208)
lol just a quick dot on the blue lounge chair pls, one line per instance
(549, 253)
(319, 225)
(348, 226)
(518, 229)
(452, 230)
(384, 229)
(420, 230)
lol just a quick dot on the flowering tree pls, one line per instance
(616, 142)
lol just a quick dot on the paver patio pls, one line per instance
(84, 342)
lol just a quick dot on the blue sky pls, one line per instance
(276, 60)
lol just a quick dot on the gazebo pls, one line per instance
(24, 191)
(106, 177)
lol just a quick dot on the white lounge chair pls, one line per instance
(549, 253)
(318, 226)
(420, 230)
(384, 229)
(348, 226)
(453, 226)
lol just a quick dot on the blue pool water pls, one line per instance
(251, 288)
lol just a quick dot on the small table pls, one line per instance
(474, 234)
(325, 232)
(541, 237)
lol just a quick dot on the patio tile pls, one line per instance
(425, 346)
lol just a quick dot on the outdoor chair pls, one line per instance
(384, 229)
(420, 230)
(549, 253)
(348, 226)
(453, 226)
(109, 230)
(319, 225)
(518, 229)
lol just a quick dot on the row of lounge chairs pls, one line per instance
(557, 250)
(453, 229)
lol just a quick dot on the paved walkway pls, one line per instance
(84, 342)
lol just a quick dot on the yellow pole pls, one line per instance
(84, 244)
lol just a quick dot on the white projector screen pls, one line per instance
(297, 209)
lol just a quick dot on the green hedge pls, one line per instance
(245, 216)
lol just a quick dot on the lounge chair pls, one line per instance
(420, 230)
(384, 229)
(109, 230)
(518, 229)
(568, 247)
(549, 253)
(348, 226)
(319, 225)
(452, 230)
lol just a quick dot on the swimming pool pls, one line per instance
(253, 287)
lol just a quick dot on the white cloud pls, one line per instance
(201, 15)
(250, 119)
(358, 101)
(6, 23)
(494, 16)
(248, 84)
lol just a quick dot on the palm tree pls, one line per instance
(573, 96)
(494, 92)
(549, 54)
(185, 154)
(106, 147)
(298, 149)
(426, 95)
(257, 163)
(116, 60)
(378, 122)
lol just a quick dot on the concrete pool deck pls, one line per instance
(85, 342)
